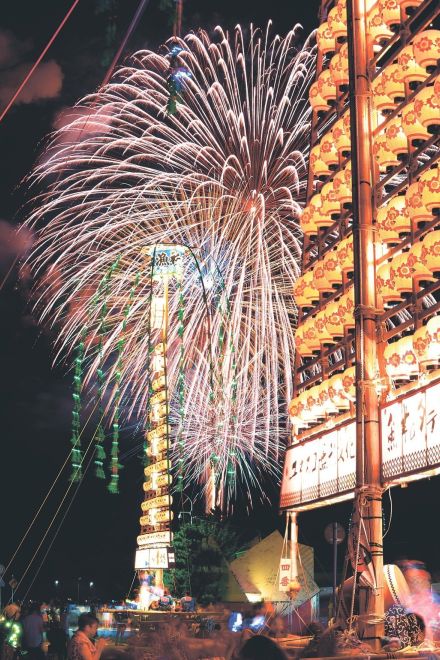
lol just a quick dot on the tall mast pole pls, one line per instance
(368, 450)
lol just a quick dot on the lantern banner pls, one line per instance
(411, 434)
(285, 576)
(153, 558)
(320, 469)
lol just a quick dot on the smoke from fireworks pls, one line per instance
(224, 176)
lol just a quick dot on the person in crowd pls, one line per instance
(165, 601)
(188, 603)
(81, 646)
(260, 647)
(10, 632)
(34, 632)
(57, 638)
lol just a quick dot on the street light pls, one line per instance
(56, 583)
(91, 585)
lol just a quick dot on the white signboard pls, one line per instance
(155, 538)
(321, 468)
(147, 558)
(411, 434)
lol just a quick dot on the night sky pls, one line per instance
(97, 538)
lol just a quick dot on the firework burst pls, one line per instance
(224, 176)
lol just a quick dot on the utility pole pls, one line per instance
(368, 450)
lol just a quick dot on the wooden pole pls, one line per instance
(368, 461)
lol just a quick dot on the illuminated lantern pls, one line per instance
(307, 414)
(395, 138)
(429, 186)
(337, 393)
(300, 343)
(417, 210)
(313, 403)
(390, 12)
(326, 403)
(330, 201)
(310, 334)
(317, 165)
(377, 29)
(320, 218)
(411, 124)
(332, 269)
(304, 292)
(346, 309)
(430, 251)
(427, 48)
(325, 39)
(320, 281)
(328, 151)
(427, 106)
(426, 343)
(385, 284)
(327, 87)
(393, 219)
(408, 267)
(393, 82)
(321, 326)
(316, 100)
(384, 157)
(342, 186)
(400, 359)
(349, 383)
(345, 255)
(295, 409)
(411, 71)
(337, 22)
(339, 67)
(307, 221)
(333, 320)
(341, 135)
(381, 100)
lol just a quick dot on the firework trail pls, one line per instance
(224, 176)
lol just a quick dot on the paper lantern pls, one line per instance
(429, 186)
(427, 106)
(308, 415)
(341, 135)
(411, 124)
(328, 151)
(383, 156)
(393, 219)
(400, 359)
(345, 255)
(385, 284)
(333, 320)
(427, 48)
(349, 383)
(327, 88)
(393, 82)
(430, 251)
(321, 327)
(381, 100)
(307, 221)
(408, 267)
(295, 409)
(320, 281)
(330, 201)
(417, 210)
(304, 292)
(325, 39)
(339, 67)
(346, 309)
(301, 346)
(318, 167)
(313, 404)
(395, 138)
(337, 22)
(411, 70)
(426, 343)
(337, 393)
(320, 218)
(342, 185)
(390, 12)
(316, 100)
(326, 403)
(332, 269)
(376, 28)
(310, 334)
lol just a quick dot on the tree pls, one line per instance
(202, 549)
